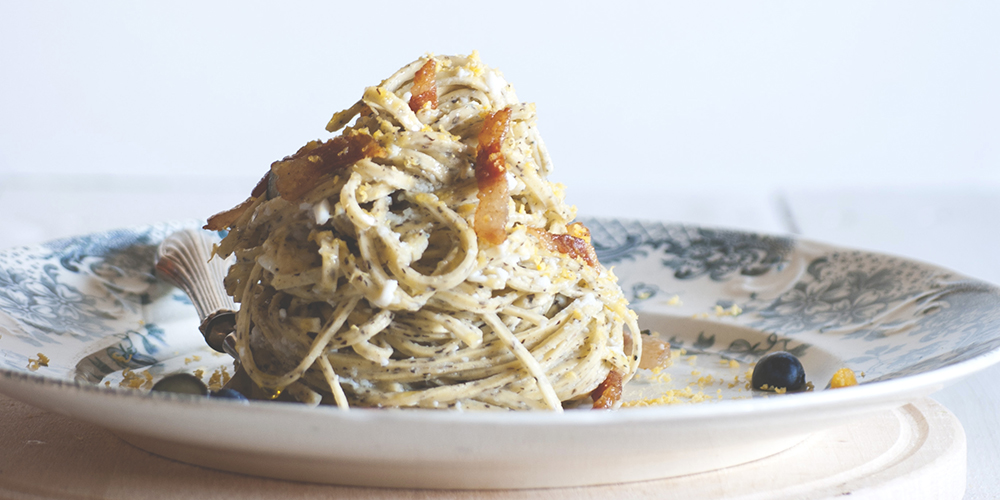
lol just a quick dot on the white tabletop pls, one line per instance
(954, 227)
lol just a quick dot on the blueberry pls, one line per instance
(228, 394)
(779, 370)
(181, 383)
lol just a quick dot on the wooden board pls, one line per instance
(917, 451)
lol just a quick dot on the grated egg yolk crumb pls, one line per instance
(734, 310)
(843, 378)
(35, 364)
(133, 380)
(218, 379)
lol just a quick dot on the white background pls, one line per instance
(865, 124)
(731, 95)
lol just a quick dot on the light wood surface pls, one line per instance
(915, 452)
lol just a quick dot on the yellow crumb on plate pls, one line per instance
(35, 364)
(218, 379)
(133, 380)
(733, 310)
(843, 378)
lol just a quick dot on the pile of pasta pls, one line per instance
(421, 258)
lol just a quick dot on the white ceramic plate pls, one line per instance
(92, 308)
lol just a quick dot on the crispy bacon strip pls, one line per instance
(424, 87)
(608, 392)
(297, 174)
(575, 247)
(225, 220)
(491, 178)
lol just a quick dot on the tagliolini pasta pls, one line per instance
(421, 258)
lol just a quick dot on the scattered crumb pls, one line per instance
(218, 379)
(778, 390)
(843, 378)
(674, 301)
(133, 380)
(35, 364)
(655, 375)
(674, 396)
(732, 311)
(704, 384)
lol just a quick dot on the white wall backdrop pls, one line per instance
(739, 95)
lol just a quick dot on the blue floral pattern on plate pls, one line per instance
(89, 305)
(885, 316)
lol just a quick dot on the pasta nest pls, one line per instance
(365, 283)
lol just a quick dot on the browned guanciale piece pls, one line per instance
(491, 178)
(224, 220)
(576, 243)
(424, 88)
(608, 393)
(573, 246)
(298, 174)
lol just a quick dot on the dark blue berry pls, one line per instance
(779, 370)
(228, 394)
(181, 383)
